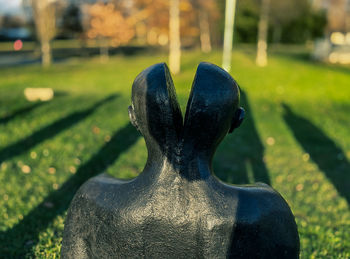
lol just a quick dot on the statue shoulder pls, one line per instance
(93, 198)
(258, 202)
(262, 197)
(265, 218)
(102, 180)
(97, 190)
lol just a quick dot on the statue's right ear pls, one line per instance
(237, 119)
(132, 117)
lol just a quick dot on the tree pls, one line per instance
(284, 12)
(109, 26)
(247, 19)
(71, 21)
(45, 25)
(288, 21)
(337, 16)
(261, 55)
(152, 26)
(206, 12)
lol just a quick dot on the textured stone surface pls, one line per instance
(177, 208)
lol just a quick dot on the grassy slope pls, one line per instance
(296, 137)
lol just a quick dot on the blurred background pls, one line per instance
(61, 29)
(66, 71)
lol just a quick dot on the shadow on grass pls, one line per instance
(241, 158)
(49, 131)
(322, 150)
(20, 112)
(18, 241)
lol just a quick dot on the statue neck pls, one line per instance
(178, 160)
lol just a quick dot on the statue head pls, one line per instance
(155, 111)
(213, 107)
(212, 110)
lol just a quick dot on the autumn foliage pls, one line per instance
(108, 23)
(146, 21)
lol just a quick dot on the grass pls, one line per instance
(295, 137)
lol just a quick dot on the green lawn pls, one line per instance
(295, 137)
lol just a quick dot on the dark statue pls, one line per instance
(177, 208)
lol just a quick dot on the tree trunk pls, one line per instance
(140, 31)
(277, 34)
(104, 50)
(204, 30)
(230, 11)
(261, 55)
(46, 56)
(45, 24)
(174, 36)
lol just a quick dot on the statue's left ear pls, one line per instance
(237, 119)
(132, 117)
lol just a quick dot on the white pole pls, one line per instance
(174, 35)
(261, 54)
(230, 12)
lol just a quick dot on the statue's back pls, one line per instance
(189, 220)
(177, 208)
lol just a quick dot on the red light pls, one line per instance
(17, 45)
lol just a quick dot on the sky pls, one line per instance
(10, 6)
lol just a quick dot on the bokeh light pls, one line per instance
(18, 45)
